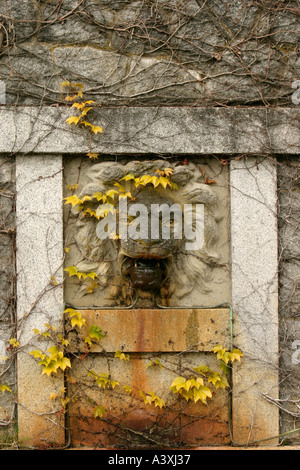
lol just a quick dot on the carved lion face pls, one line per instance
(147, 260)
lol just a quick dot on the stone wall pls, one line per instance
(289, 269)
(178, 54)
(150, 52)
(7, 289)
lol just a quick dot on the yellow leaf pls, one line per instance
(72, 186)
(236, 354)
(99, 412)
(104, 209)
(128, 177)
(92, 275)
(38, 353)
(155, 181)
(74, 200)
(122, 356)
(64, 363)
(127, 388)
(73, 120)
(85, 111)
(54, 281)
(78, 105)
(164, 181)
(14, 342)
(202, 394)
(111, 193)
(72, 270)
(178, 383)
(50, 368)
(5, 388)
(145, 179)
(93, 156)
(97, 129)
(125, 195)
(70, 98)
(98, 196)
(203, 369)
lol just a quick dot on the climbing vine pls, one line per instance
(222, 54)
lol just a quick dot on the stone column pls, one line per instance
(255, 298)
(39, 293)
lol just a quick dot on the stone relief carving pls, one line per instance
(141, 267)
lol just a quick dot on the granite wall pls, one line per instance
(148, 52)
(151, 53)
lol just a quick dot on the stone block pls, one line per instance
(130, 423)
(159, 330)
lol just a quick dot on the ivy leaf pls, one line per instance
(5, 388)
(84, 111)
(203, 369)
(145, 179)
(92, 155)
(164, 181)
(73, 120)
(92, 275)
(97, 129)
(72, 270)
(74, 200)
(78, 321)
(98, 196)
(64, 363)
(99, 412)
(50, 368)
(128, 177)
(104, 209)
(78, 105)
(125, 195)
(236, 355)
(86, 198)
(202, 394)
(122, 356)
(218, 380)
(153, 363)
(38, 353)
(178, 383)
(96, 333)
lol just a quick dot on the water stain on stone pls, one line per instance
(192, 330)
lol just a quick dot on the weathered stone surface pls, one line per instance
(19, 19)
(169, 52)
(147, 131)
(39, 256)
(129, 422)
(190, 276)
(289, 300)
(7, 290)
(160, 330)
(255, 297)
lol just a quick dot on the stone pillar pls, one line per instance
(39, 292)
(255, 298)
